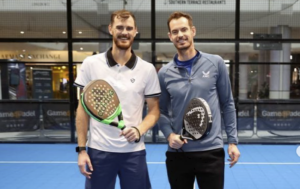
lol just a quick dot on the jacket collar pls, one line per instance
(198, 56)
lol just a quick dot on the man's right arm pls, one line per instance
(82, 122)
(164, 121)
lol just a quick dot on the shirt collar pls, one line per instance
(197, 57)
(130, 64)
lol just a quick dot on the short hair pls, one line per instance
(177, 15)
(121, 14)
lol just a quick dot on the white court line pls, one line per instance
(268, 163)
(73, 162)
(249, 163)
(41, 162)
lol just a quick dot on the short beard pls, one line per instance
(182, 48)
(121, 45)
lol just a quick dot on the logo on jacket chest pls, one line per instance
(205, 74)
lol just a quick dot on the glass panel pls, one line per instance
(35, 19)
(269, 79)
(40, 85)
(270, 17)
(1, 77)
(82, 50)
(34, 122)
(35, 52)
(212, 19)
(266, 81)
(278, 122)
(91, 18)
(166, 51)
(285, 52)
(34, 71)
(21, 81)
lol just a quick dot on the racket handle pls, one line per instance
(138, 140)
(181, 138)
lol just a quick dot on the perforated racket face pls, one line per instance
(100, 99)
(197, 121)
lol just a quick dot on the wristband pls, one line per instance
(138, 140)
(80, 148)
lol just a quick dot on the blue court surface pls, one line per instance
(54, 166)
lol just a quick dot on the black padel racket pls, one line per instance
(101, 102)
(197, 120)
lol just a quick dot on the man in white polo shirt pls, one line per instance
(112, 152)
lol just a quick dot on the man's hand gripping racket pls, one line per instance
(100, 101)
(197, 122)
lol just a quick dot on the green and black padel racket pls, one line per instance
(101, 102)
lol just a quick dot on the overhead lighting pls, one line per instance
(226, 61)
(24, 50)
(81, 48)
(22, 32)
(291, 57)
(80, 32)
(252, 33)
(64, 32)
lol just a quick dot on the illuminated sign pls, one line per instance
(196, 2)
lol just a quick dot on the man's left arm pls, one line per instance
(152, 115)
(135, 133)
(229, 113)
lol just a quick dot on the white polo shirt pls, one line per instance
(133, 83)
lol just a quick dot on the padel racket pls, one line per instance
(197, 120)
(101, 102)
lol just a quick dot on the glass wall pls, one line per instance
(35, 92)
(91, 18)
(33, 19)
(267, 17)
(43, 43)
(213, 19)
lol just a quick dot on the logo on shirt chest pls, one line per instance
(205, 74)
(132, 80)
